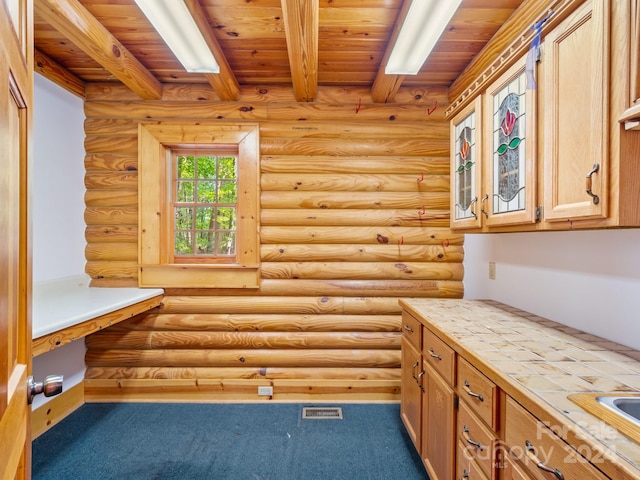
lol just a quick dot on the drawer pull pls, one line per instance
(470, 441)
(434, 354)
(408, 328)
(472, 393)
(465, 474)
(531, 453)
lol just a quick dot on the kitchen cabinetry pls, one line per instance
(480, 422)
(412, 382)
(573, 162)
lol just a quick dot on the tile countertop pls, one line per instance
(539, 362)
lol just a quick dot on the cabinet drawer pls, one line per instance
(479, 392)
(477, 442)
(534, 447)
(412, 330)
(466, 468)
(439, 355)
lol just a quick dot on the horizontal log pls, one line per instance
(158, 110)
(240, 390)
(353, 182)
(111, 268)
(244, 357)
(263, 322)
(337, 146)
(362, 270)
(268, 373)
(361, 253)
(111, 233)
(384, 164)
(389, 112)
(364, 200)
(114, 282)
(279, 129)
(111, 180)
(354, 217)
(111, 162)
(362, 235)
(348, 129)
(111, 198)
(354, 288)
(111, 215)
(111, 144)
(286, 304)
(177, 340)
(111, 251)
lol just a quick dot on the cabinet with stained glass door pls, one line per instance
(466, 167)
(509, 124)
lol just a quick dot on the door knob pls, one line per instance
(51, 386)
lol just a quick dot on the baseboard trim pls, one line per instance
(56, 409)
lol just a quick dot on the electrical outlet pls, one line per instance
(265, 391)
(492, 270)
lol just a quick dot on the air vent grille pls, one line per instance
(322, 413)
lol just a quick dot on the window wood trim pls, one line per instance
(156, 266)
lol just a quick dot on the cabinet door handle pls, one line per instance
(465, 474)
(531, 453)
(484, 199)
(408, 328)
(417, 379)
(473, 203)
(596, 198)
(470, 441)
(471, 393)
(434, 354)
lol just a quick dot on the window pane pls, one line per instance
(184, 191)
(227, 167)
(207, 166)
(227, 192)
(206, 192)
(205, 243)
(226, 218)
(184, 218)
(204, 218)
(183, 243)
(186, 166)
(226, 243)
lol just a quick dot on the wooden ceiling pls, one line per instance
(257, 42)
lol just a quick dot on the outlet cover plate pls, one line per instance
(265, 391)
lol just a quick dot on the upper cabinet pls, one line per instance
(545, 145)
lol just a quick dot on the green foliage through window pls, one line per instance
(205, 200)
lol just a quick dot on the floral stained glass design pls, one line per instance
(509, 127)
(465, 163)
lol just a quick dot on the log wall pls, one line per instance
(354, 215)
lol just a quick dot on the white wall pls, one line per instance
(586, 279)
(58, 182)
(58, 210)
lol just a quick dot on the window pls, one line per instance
(198, 201)
(204, 204)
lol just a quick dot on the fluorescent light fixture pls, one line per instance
(174, 23)
(424, 23)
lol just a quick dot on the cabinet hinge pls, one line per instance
(539, 213)
(456, 402)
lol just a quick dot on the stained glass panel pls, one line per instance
(509, 147)
(465, 167)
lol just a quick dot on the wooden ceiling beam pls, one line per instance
(49, 68)
(224, 83)
(385, 86)
(74, 21)
(301, 24)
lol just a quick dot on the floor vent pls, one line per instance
(322, 412)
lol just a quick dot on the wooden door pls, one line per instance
(575, 94)
(411, 392)
(15, 326)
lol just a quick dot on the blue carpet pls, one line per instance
(226, 441)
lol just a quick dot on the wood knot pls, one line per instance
(382, 239)
(116, 51)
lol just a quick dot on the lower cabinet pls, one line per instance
(438, 426)
(411, 392)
